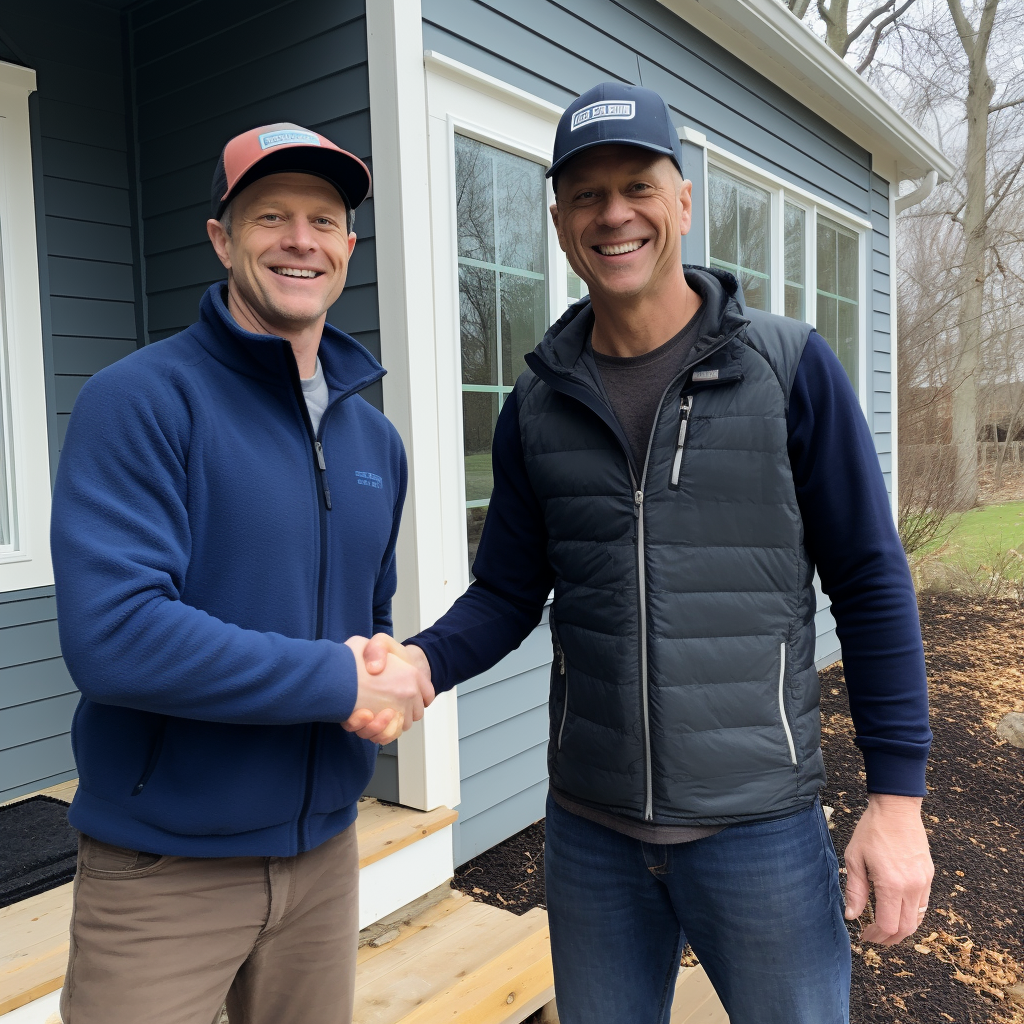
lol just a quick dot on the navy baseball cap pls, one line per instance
(614, 113)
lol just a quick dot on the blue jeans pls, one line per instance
(760, 904)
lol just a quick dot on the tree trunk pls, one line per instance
(980, 89)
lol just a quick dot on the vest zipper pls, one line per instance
(685, 408)
(565, 700)
(641, 579)
(782, 702)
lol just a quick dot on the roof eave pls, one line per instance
(801, 63)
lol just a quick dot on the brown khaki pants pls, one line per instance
(165, 940)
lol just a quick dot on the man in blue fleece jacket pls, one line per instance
(224, 519)
(674, 466)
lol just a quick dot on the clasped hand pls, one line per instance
(393, 687)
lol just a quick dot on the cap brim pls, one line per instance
(345, 172)
(663, 150)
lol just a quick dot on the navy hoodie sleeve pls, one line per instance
(852, 540)
(121, 543)
(513, 576)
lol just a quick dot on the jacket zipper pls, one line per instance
(685, 408)
(782, 702)
(323, 507)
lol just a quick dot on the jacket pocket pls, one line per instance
(782, 702)
(563, 671)
(151, 761)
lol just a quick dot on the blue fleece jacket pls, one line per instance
(208, 572)
(850, 536)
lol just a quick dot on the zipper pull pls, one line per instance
(561, 662)
(319, 449)
(685, 406)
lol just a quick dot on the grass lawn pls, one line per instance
(985, 531)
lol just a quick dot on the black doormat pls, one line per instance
(38, 848)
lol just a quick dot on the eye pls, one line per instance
(640, 186)
(271, 217)
(586, 194)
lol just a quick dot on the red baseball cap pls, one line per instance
(277, 148)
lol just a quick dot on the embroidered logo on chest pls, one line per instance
(369, 480)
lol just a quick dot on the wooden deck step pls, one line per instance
(34, 932)
(696, 1001)
(460, 961)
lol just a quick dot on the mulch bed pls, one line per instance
(966, 961)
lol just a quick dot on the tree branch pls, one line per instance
(865, 22)
(877, 37)
(1008, 103)
(799, 7)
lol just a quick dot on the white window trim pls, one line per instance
(28, 565)
(782, 192)
(466, 102)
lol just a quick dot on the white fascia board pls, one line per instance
(767, 37)
(17, 77)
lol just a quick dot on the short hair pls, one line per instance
(225, 217)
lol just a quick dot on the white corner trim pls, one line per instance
(17, 77)
(28, 564)
(388, 884)
(458, 72)
(39, 1011)
(765, 35)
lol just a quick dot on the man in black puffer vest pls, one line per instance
(676, 466)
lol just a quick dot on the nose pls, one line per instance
(300, 237)
(615, 211)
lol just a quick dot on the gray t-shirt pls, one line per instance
(314, 391)
(634, 386)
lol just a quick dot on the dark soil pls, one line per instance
(965, 963)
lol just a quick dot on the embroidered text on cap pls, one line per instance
(284, 138)
(624, 110)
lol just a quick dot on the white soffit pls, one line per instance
(765, 35)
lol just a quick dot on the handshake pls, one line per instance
(393, 687)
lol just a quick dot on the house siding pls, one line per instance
(555, 53)
(206, 71)
(80, 168)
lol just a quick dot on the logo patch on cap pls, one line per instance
(705, 375)
(288, 137)
(620, 110)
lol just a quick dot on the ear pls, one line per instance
(220, 240)
(685, 207)
(351, 242)
(553, 208)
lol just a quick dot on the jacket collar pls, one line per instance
(562, 350)
(348, 367)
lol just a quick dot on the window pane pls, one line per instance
(502, 222)
(477, 326)
(576, 287)
(847, 259)
(474, 191)
(740, 216)
(828, 321)
(479, 415)
(522, 322)
(826, 256)
(6, 538)
(723, 214)
(795, 270)
(847, 337)
(521, 212)
(754, 226)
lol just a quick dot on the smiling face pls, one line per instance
(620, 212)
(288, 252)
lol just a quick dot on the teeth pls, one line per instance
(618, 250)
(293, 272)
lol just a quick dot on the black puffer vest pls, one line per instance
(683, 689)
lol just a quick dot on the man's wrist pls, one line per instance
(893, 803)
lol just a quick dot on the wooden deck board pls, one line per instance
(696, 1001)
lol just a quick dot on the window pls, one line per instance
(740, 228)
(838, 292)
(24, 454)
(793, 254)
(501, 213)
